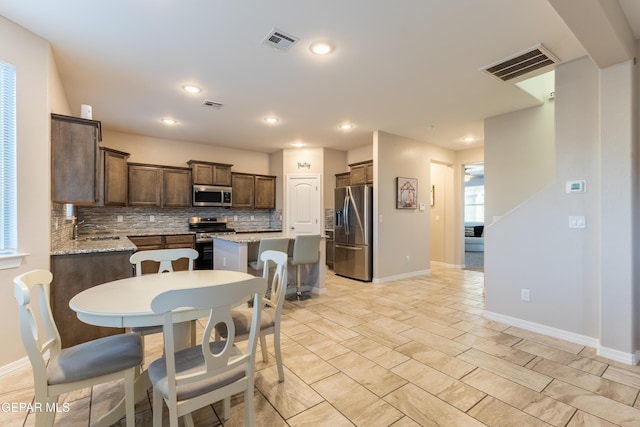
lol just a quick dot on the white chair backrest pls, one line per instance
(219, 299)
(280, 244)
(164, 257)
(279, 281)
(306, 249)
(37, 327)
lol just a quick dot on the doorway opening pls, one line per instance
(474, 216)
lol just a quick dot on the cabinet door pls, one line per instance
(148, 243)
(180, 241)
(115, 178)
(145, 185)
(222, 175)
(202, 174)
(368, 169)
(243, 190)
(265, 192)
(176, 188)
(75, 273)
(358, 175)
(343, 179)
(74, 158)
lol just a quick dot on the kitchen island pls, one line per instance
(234, 251)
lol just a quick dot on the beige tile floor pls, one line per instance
(407, 353)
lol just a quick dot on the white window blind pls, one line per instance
(8, 186)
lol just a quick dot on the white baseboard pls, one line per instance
(446, 265)
(401, 276)
(14, 366)
(609, 353)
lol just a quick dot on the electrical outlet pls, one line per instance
(524, 294)
(252, 217)
(152, 218)
(408, 259)
(119, 218)
(235, 217)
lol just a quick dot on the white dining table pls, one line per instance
(126, 303)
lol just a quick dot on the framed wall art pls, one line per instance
(407, 193)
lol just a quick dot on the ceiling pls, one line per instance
(408, 67)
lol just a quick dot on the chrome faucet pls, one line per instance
(75, 228)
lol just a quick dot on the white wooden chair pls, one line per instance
(270, 321)
(306, 250)
(165, 257)
(81, 366)
(198, 376)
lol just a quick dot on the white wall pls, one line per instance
(580, 280)
(169, 152)
(38, 92)
(399, 233)
(334, 162)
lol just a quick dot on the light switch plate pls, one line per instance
(577, 222)
(579, 186)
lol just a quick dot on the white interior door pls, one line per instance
(303, 204)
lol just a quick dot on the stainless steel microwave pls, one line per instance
(209, 195)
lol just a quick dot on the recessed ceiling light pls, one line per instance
(298, 144)
(346, 126)
(271, 120)
(169, 121)
(469, 139)
(321, 48)
(191, 89)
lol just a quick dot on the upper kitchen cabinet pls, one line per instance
(253, 191)
(74, 160)
(161, 186)
(176, 186)
(343, 179)
(114, 178)
(265, 192)
(206, 173)
(145, 185)
(361, 173)
(243, 190)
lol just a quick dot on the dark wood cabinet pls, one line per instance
(114, 178)
(74, 160)
(329, 248)
(265, 192)
(243, 186)
(361, 173)
(206, 173)
(176, 185)
(161, 186)
(343, 179)
(253, 191)
(169, 241)
(75, 273)
(145, 185)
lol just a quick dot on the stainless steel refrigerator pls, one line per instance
(353, 232)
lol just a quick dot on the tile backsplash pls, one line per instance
(131, 220)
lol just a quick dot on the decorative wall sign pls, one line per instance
(407, 193)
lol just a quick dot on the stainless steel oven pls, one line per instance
(206, 229)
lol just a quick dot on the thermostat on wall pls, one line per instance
(579, 186)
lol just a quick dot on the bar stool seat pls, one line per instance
(280, 244)
(306, 250)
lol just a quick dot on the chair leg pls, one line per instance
(157, 408)
(263, 347)
(46, 418)
(276, 348)
(226, 408)
(129, 396)
(188, 420)
(248, 406)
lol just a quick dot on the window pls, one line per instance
(474, 204)
(8, 198)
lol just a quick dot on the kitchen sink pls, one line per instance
(95, 238)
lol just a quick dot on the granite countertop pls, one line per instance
(94, 243)
(249, 237)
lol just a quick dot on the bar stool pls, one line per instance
(280, 244)
(306, 250)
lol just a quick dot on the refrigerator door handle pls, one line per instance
(351, 248)
(345, 210)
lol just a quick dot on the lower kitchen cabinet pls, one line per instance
(170, 241)
(75, 273)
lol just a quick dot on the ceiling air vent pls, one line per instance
(280, 40)
(538, 58)
(212, 104)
